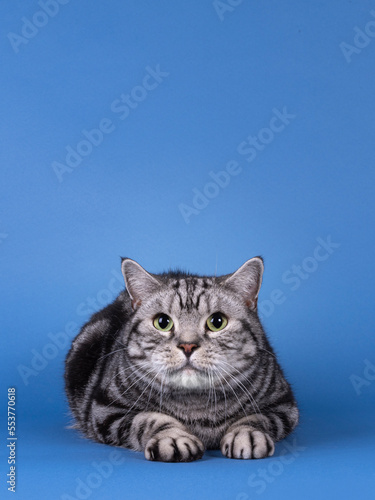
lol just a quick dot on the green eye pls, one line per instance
(163, 322)
(216, 322)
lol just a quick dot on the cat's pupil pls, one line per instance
(217, 320)
(163, 321)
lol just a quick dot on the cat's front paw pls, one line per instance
(174, 445)
(245, 442)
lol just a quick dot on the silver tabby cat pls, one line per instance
(178, 364)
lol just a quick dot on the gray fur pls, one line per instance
(130, 385)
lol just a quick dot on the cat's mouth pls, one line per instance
(188, 376)
(188, 368)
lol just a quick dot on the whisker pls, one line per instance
(161, 391)
(240, 382)
(209, 387)
(213, 387)
(122, 370)
(132, 385)
(244, 389)
(225, 397)
(152, 387)
(110, 353)
(234, 392)
(265, 350)
(144, 390)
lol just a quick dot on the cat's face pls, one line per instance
(190, 332)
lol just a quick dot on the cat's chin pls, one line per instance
(188, 378)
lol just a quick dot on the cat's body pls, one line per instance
(178, 364)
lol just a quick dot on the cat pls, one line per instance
(178, 364)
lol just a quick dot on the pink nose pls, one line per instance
(188, 348)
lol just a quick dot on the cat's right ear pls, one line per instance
(139, 283)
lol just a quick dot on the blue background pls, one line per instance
(60, 242)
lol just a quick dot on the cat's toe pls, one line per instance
(180, 448)
(245, 443)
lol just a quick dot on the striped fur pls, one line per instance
(128, 384)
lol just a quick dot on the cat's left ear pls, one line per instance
(246, 281)
(139, 283)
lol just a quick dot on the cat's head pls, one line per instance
(190, 332)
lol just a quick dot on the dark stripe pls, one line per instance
(251, 443)
(198, 300)
(285, 398)
(226, 345)
(217, 422)
(189, 303)
(109, 341)
(140, 432)
(133, 331)
(177, 453)
(142, 356)
(163, 427)
(287, 427)
(180, 300)
(271, 384)
(149, 348)
(247, 327)
(189, 449)
(103, 427)
(154, 451)
(123, 430)
(269, 447)
(232, 447)
(101, 397)
(269, 388)
(274, 428)
(151, 423)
